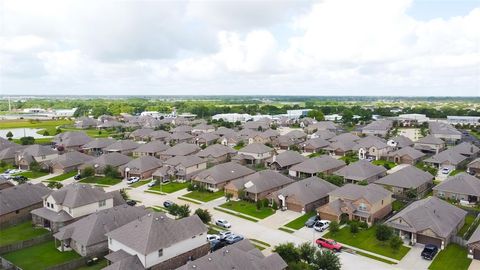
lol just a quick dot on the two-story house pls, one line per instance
(34, 152)
(255, 153)
(180, 167)
(371, 147)
(216, 177)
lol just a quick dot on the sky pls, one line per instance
(249, 47)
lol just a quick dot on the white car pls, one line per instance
(132, 180)
(321, 225)
(212, 237)
(445, 170)
(224, 235)
(223, 223)
(152, 183)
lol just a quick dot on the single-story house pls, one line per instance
(141, 134)
(71, 140)
(461, 187)
(97, 146)
(429, 144)
(206, 138)
(361, 170)
(142, 167)
(153, 148)
(314, 145)
(406, 155)
(448, 158)
(401, 142)
(34, 152)
(217, 153)
(180, 137)
(181, 149)
(314, 166)
(259, 153)
(378, 127)
(70, 161)
(371, 147)
(183, 167)
(99, 164)
(216, 177)
(125, 147)
(285, 160)
(408, 178)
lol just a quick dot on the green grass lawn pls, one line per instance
(248, 208)
(349, 158)
(64, 176)
(37, 141)
(397, 205)
(40, 256)
(139, 183)
(455, 172)
(453, 257)
(20, 232)
(101, 180)
(43, 124)
(99, 265)
(6, 167)
(32, 174)
(387, 164)
(366, 240)
(468, 221)
(204, 196)
(299, 222)
(170, 187)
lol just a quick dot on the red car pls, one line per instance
(329, 244)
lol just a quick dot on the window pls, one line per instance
(101, 203)
(362, 207)
(441, 194)
(160, 252)
(17, 211)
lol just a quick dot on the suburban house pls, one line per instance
(323, 134)
(361, 170)
(340, 147)
(258, 185)
(16, 202)
(157, 242)
(283, 161)
(446, 159)
(217, 153)
(222, 131)
(216, 177)
(258, 152)
(408, 179)
(71, 202)
(125, 147)
(322, 125)
(428, 221)
(473, 245)
(303, 196)
(241, 255)
(34, 152)
(345, 137)
(5, 183)
(371, 147)
(70, 161)
(86, 123)
(4, 143)
(180, 137)
(256, 125)
(153, 148)
(203, 128)
(379, 128)
(206, 138)
(71, 140)
(183, 167)
(8, 154)
(96, 147)
(355, 202)
(159, 135)
(87, 235)
(406, 155)
(445, 131)
(314, 166)
(230, 139)
(181, 149)
(141, 134)
(474, 167)
(400, 142)
(466, 149)
(142, 167)
(429, 144)
(314, 145)
(461, 187)
(182, 128)
(99, 164)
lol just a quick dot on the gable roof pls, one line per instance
(316, 143)
(360, 170)
(442, 129)
(72, 138)
(345, 137)
(461, 183)
(113, 159)
(307, 190)
(370, 141)
(407, 177)
(185, 161)
(466, 149)
(142, 164)
(430, 139)
(261, 181)
(287, 158)
(407, 151)
(222, 173)
(122, 145)
(76, 195)
(216, 150)
(448, 155)
(379, 125)
(21, 196)
(181, 149)
(69, 159)
(402, 141)
(152, 147)
(99, 143)
(324, 134)
(256, 148)
(318, 164)
(37, 150)
(371, 193)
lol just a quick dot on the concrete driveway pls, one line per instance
(413, 260)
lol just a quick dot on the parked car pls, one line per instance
(329, 244)
(131, 202)
(211, 237)
(370, 159)
(216, 245)
(445, 170)
(321, 225)
(429, 252)
(152, 183)
(167, 204)
(232, 239)
(19, 177)
(224, 235)
(311, 221)
(77, 177)
(132, 180)
(223, 223)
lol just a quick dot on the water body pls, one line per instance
(21, 132)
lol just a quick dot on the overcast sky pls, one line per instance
(277, 47)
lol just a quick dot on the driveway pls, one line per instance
(413, 260)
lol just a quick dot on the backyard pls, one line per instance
(204, 196)
(101, 180)
(170, 187)
(453, 257)
(20, 232)
(64, 176)
(249, 208)
(299, 222)
(387, 164)
(468, 222)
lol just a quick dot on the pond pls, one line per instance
(22, 132)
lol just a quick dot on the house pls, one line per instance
(70, 140)
(222, 131)
(216, 177)
(283, 162)
(466, 149)
(340, 147)
(141, 134)
(182, 129)
(321, 126)
(182, 167)
(157, 242)
(371, 147)
(461, 187)
(99, 164)
(323, 134)
(181, 149)
(159, 135)
(378, 128)
(97, 146)
(180, 137)
(474, 167)
(125, 147)
(406, 155)
(34, 152)
(4, 143)
(86, 236)
(70, 161)
(153, 148)
(430, 144)
(256, 125)
(85, 123)
(400, 142)
(446, 159)
(361, 170)
(445, 131)
(206, 138)
(314, 166)
(345, 137)
(109, 124)
(473, 245)
(203, 128)
(428, 221)
(303, 196)
(8, 154)
(231, 139)
(258, 152)
(241, 255)
(142, 167)
(258, 185)
(369, 203)
(17, 201)
(314, 145)
(217, 153)
(71, 202)
(407, 179)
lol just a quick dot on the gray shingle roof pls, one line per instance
(461, 183)
(372, 193)
(127, 262)
(142, 164)
(181, 149)
(430, 139)
(75, 195)
(345, 137)
(261, 181)
(325, 134)
(474, 164)
(70, 159)
(307, 190)
(318, 164)
(448, 155)
(21, 196)
(360, 170)
(315, 143)
(152, 147)
(287, 158)
(408, 177)
(466, 149)
(216, 150)
(37, 150)
(475, 237)
(9, 152)
(113, 159)
(72, 138)
(442, 129)
(370, 141)
(407, 151)
(379, 125)
(99, 143)
(222, 173)
(123, 145)
(402, 141)
(256, 148)
(185, 161)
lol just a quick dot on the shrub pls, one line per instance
(274, 205)
(54, 184)
(87, 172)
(288, 252)
(27, 140)
(9, 135)
(334, 227)
(46, 133)
(204, 215)
(265, 203)
(111, 172)
(354, 228)
(228, 196)
(383, 232)
(363, 225)
(396, 242)
(259, 205)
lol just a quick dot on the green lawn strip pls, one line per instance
(366, 240)
(33, 124)
(455, 172)
(204, 196)
(32, 174)
(286, 230)
(37, 141)
(156, 209)
(7, 166)
(170, 187)
(101, 180)
(452, 257)
(260, 242)
(20, 232)
(248, 208)
(212, 231)
(64, 176)
(40, 256)
(259, 247)
(99, 265)
(397, 205)
(139, 184)
(373, 257)
(468, 221)
(154, 192)
(235, 214)
(216, 227)
(381, 162)
(299, 222)
(188, 200)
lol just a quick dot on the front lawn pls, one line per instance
(453, 257)
(7, 166)
(366, 240)
(139, 184)
(299, 222)
(248, 208)
(170, 187)
(387, 164)
(455, 172)
(101, 180)
(64, 176)
(20, 232)
(204, 196)
(32, 174)
(41, 256)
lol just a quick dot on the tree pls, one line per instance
(183, 211)
(316, 114)
(27, 140)
(412, 193)
(204, 215)
(34, 166)
(9, 135)
(334, 227)
(288, 252)
(58, 131)
(326, 260)
(307, 252)
(396, 242)
(354, 228)
(55, 185)
(111, 172)
(46, 133)
(87, 172)
(383, 232)
(363, 183)
(347, 116)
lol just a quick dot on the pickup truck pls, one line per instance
(329, 244)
